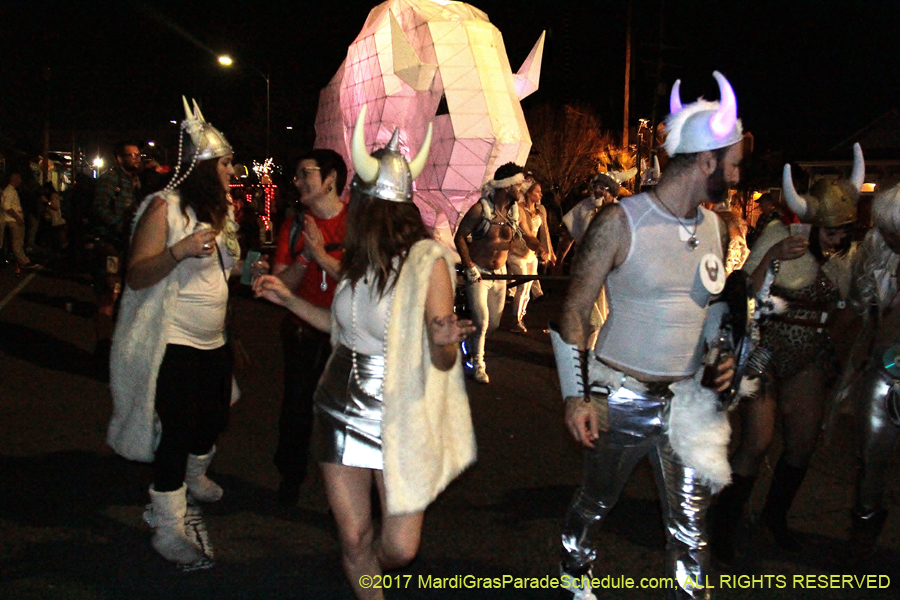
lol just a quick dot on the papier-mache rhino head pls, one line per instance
(417, 62)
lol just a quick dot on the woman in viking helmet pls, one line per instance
(170, 370)
(391, 407)
(795, 352)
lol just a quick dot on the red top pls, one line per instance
(333, 230)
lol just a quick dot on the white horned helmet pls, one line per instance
(829, 203)
(198, 141)
(385, 174)
(702, 125)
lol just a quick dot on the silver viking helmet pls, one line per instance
(198, 141)
(203, 140)
(828, 204)
(385, 174)
(702, 125)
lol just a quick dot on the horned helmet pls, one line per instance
(385, 174)
(702, 125)
(828, 203)
(198, 141)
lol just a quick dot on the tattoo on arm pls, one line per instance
(604, 247)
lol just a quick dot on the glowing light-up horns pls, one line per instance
(722, 122)
(365, 166)
(675, 98)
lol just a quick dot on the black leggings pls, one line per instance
(193, 397)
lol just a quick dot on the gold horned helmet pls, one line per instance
(828, 203)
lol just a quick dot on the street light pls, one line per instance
(226, 61)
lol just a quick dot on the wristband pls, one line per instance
(172, 254)
(572, 366)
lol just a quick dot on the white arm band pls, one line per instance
(568, 366)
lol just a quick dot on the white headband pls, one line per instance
(498, 184)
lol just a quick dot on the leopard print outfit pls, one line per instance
(795, 347)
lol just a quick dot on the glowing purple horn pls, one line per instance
(722, 123)
(675, 97)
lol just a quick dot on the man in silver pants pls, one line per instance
(660, 256)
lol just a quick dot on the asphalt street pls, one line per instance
(70, 510)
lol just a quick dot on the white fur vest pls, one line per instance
(138, 345)
(426, 431)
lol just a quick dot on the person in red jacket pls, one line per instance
(308, 259)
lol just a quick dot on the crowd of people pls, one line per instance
(374, 378)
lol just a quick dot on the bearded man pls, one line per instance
(660, 256)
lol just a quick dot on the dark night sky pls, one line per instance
(806, 74)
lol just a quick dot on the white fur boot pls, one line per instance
(166, 516)
(201, 487)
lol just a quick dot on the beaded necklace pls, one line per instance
(387, 321)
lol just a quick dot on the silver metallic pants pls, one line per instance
(877, 437)
(636, 428)
(348, 409)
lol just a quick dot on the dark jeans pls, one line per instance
(306, 351)
(193, 398)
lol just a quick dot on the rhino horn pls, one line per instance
(407, 66)
(529, 75)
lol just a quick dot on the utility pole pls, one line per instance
(627, 77)
(45, 162)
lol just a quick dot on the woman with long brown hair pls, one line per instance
(170, 369)
(391, 407)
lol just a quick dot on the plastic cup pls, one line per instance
(800, 229)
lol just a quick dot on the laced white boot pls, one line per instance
(165, 515)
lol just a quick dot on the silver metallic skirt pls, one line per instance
(348, 409)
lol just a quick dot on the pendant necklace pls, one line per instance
(692, 242)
